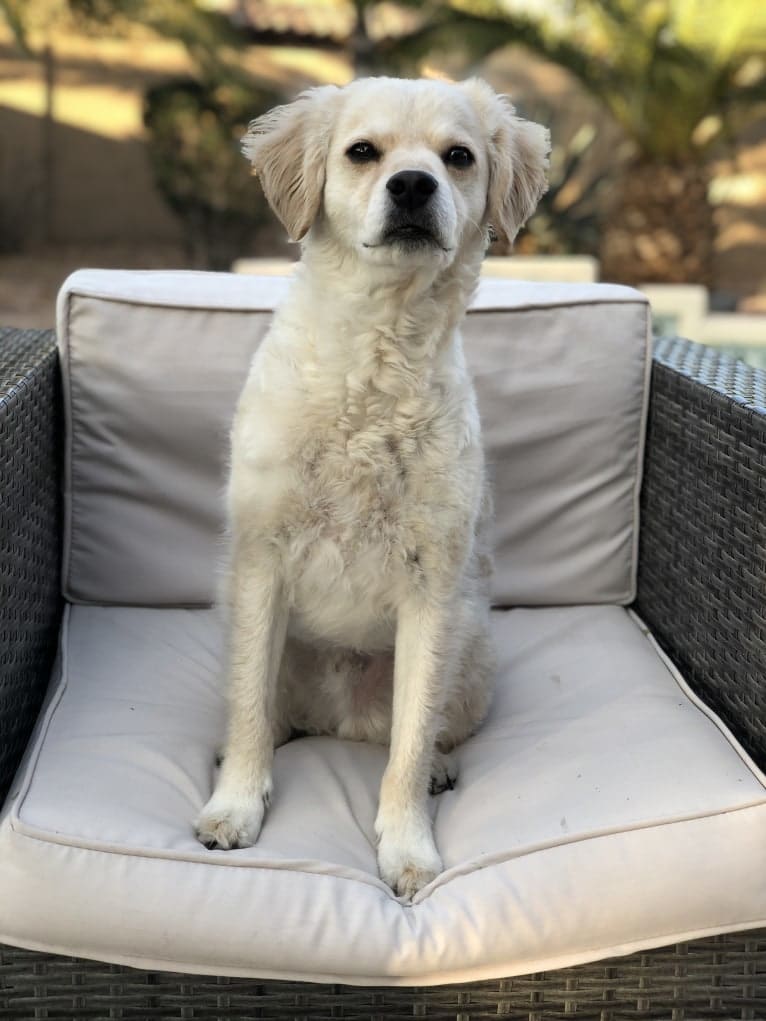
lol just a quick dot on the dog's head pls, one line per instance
(400, 171)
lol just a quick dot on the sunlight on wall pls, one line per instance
(295, 67)
(99, 83)
(105, 110)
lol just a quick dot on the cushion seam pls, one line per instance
(66, 346)
(42, 836)
(640, 451)
(262, 307)
(697, 702)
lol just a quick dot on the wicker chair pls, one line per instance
(701, 590)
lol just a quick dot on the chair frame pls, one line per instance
(701, 590)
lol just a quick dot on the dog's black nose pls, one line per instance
(411, 189)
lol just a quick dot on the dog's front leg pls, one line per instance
(258, 622)
(407, 854)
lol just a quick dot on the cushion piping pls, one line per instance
(70, 290)
(697, 702)
(640, 454)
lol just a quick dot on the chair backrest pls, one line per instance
(153, 363)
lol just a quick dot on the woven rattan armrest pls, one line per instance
(702, 559)
(30, 533)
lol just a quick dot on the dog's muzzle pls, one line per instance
(410, 221)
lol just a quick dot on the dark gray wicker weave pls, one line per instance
(30, 546)
(702, 562)
(701, 589)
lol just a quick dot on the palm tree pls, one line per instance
(679, 76)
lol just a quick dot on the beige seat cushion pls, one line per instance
(599, 810)
(154, 362)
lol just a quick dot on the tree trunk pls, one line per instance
(361, 46)
(48, 146)
(660, 228)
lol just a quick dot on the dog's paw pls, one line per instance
(444, 773)
(408, 866)
(224, 825)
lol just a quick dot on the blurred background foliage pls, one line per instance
(679, 77)
(194, 127)
(673, 84)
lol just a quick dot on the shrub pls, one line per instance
(194, 131)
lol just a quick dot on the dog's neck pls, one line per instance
(418, 310)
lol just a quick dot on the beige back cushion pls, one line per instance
(153, 363)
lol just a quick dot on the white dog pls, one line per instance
(357, 589)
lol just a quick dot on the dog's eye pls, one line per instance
(362, 152)
(458, 156)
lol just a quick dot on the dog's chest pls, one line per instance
(355, 498)
(353, 524)
(357, 489)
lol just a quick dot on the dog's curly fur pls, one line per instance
(357, 588)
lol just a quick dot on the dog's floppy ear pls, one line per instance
(518, 160)
(288, 149)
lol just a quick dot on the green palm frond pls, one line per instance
(660, 66)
